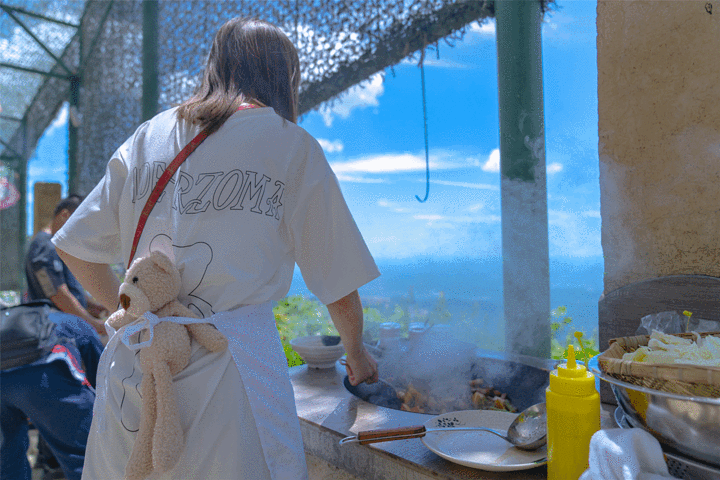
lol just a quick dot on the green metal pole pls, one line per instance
(22, 221)
(73, 136)
(150, 59)
(22, 203)
(526, 271)
(12, 224)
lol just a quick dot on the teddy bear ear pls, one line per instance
(163, 261)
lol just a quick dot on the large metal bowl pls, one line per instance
(687, 425)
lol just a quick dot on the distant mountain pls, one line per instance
(473, 288)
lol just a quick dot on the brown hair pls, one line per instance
(69, 203)
(250, 61)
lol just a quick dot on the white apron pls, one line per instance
(237, 407)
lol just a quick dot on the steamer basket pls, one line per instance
(679, 379)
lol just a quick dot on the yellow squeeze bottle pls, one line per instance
(573, 416)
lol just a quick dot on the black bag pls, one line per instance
(26, 333)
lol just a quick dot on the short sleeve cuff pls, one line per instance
(353, 281)
(76, 250)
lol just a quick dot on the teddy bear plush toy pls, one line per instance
(152, 284)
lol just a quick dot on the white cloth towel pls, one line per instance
(625, 454)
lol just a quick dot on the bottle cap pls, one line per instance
(572, 378)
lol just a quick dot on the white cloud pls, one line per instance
(360, 96)
(394, 206)
(572, 235)
(493, 162)
(475, 207)
(473, 219)
(408, 228)
(331, 146)
(60, 120)
(388, 163)
(432, 61)
(416, 211)
(479, 186)
(355, 179)
(43, 172)
(554, 168)
(561, 27)
(458, 219)
(429, 217)
(487, 28)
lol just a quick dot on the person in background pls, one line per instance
(49, 278)
(57, 396)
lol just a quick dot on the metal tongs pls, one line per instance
(527, 432)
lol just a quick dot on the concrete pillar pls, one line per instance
(526, 272)
(659, 134)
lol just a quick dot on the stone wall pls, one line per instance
(659, 132)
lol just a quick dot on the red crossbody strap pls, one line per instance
(163, 181)
(160, 186)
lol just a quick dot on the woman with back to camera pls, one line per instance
(254, 198)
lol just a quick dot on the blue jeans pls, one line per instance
(58, 404)
(86, 339)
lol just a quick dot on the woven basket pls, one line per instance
(696, 381)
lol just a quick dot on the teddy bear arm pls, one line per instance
(176, 309)
(117, 319)
(208, 336)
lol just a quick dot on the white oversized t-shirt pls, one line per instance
(254, 198)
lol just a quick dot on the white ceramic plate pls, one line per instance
(481, 450)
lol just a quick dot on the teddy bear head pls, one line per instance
(150, 283)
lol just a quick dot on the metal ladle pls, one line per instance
(527, 432)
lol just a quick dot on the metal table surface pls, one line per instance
(328, 413)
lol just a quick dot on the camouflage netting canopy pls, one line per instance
(100, 49)
(115, 61)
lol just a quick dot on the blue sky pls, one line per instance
(373, 138)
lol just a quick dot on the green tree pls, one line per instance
(296, 316)
(585, 348)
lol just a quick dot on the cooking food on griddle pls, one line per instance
(479, 397)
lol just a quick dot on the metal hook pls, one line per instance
(427, 152)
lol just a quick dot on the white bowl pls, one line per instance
(315, 354)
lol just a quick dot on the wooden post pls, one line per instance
(46, 196)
